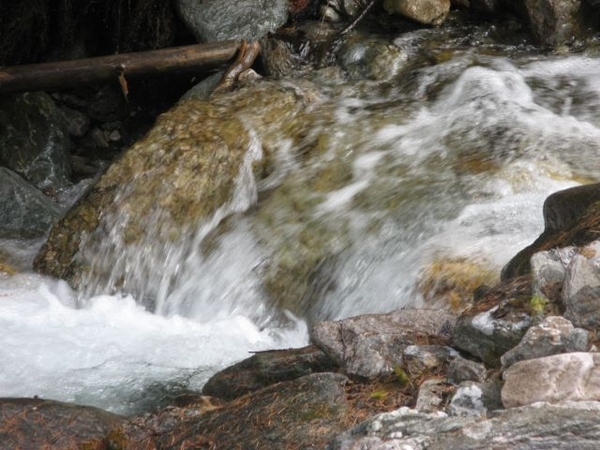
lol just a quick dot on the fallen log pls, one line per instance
(66, 74)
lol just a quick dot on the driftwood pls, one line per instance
(67, 74)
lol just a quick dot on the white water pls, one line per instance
(113, 354)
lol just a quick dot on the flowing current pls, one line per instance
(449, 161)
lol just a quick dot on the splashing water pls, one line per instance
(452, 160)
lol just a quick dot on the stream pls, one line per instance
(449, 161)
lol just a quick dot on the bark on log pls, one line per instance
(66, 74)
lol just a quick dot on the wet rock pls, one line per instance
(555, 23)
(265, 368)
(311, 409)
(221, 20)
(24, 211)
(552, 336)
(538, 427)
(581, 291)
(37, 424)
(556, 378)
(189, 161)
(571, 217)
(371, 58)
(372, 345)
(495, 324)
(461, 369)
(34, 139)
(428, 12)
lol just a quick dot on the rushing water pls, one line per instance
(447, 160)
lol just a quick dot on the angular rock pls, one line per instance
(581, 291)
(265, 368)
(221, 20)
(372, 345)
(540, 427)
(552, 336)
(556, 22)
(557, 378)
(311, 409)
(571, 217)
(418, 360)
(487, 331)
(24, 211)
(40, 424)
(432, 395)
(427, 12)
(462, 369)
(548, 272)
(467, 401)
(34, 139)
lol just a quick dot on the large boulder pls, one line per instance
(221, 20)
(556, 378)
(37, 424)
(34, 139)
(372, 345)
(571, 217)
(25, 212)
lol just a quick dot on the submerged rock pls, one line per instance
(372, 345)
(37, 424)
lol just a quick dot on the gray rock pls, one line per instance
(462, 369)
(374, 59)
(372, 345)
(34, 139)
(431, 397)
(422, 359)
(221, 20)
(557, 378)
(555, 22)
(427, 12)
(548, 271)
(467, 401)
(265, 368)
(487, 336)
(538, 427)
(552, 336)
(581, 291)
(24, 211)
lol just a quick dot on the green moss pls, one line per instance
(537, 305)
(401, 376)
(379, 394)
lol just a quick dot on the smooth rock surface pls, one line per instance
(461, 369)
(573, 425)
(372, 345)
(557, 378)
(427, 12)
(221, 20)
